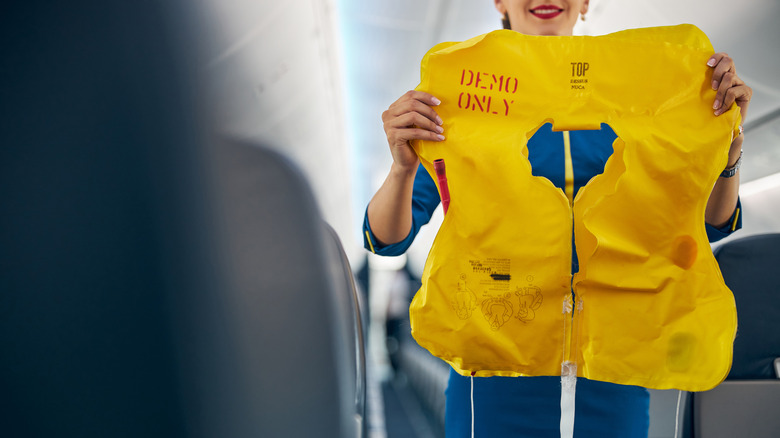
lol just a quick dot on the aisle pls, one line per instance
(404, 415)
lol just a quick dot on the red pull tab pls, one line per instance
(441, 176)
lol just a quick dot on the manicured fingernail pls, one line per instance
(716, 105)
(714, 85)
(439, 121)
(717, 113)
(435, 101)
(711, 62)
(440, 137)
(439, 129)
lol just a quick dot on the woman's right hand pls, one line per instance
(411, 118)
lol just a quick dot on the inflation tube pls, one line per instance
(441, 176)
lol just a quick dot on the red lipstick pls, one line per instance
(546, 12)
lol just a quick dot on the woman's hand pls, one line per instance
(408, 118)
(411, 118)
(730, 87)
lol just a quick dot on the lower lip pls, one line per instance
(546, 16)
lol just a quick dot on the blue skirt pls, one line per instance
(530, 407)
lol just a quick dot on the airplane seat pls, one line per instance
(427, 376)
(745, 404)
(748, 265)
(156, 281)
(291, 298)
(94, 112)
(353, 305)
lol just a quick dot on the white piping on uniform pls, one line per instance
(472, 406)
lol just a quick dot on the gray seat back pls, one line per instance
(738, 408)
(353, 306)
(155, 282)
(284, 299)
(95, 117)
(746, 404)
(749, 267)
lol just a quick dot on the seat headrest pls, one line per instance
(749, 267)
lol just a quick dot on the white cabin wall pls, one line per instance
(273, 72)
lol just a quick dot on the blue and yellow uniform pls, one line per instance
(530, 406)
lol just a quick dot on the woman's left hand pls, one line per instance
(730, 87)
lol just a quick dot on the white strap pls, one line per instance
(568, 373)
(568, 392)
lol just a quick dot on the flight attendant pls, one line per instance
(530, 406)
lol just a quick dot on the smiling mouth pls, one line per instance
(546, 12)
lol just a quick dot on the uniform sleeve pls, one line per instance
(735, 223)
(425, 199)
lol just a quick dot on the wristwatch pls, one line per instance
(731, 171)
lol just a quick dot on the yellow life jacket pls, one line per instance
(650, 307)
